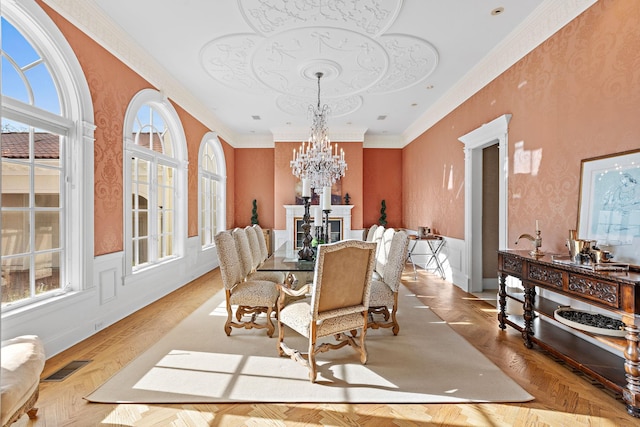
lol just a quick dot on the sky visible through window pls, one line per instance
(25, 76)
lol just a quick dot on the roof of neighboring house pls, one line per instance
(15, 145)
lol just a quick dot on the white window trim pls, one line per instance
(212, 138)
(158, 101)
(75, 122)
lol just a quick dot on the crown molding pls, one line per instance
(383, 141)
(545, 21)
(91, 19)
(350, 134)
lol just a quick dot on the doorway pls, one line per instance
(488, 135)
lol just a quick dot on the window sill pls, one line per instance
(47, 304)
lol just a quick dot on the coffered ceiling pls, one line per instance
(391, 68)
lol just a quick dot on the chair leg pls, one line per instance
(363, 348)
(313, 372)
(394, 320)
(227, 324)
(270, 328)
(281, 352)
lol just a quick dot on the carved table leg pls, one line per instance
(631, 394)
(502, 315)
(527, 332)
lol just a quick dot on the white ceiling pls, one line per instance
(251, 64)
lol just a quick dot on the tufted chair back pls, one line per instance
(230, 265)
(254, 244)
(392, 272)
(244, 250)
(264, 251)
(371, 233)
(383, 250)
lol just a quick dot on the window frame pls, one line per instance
(76, 126)
(219, 178)
(163, 106)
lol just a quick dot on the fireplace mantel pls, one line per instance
(337, 211)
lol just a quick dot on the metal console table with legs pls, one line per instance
(434, 245)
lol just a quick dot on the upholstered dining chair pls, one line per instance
(371, 233)
(264, 251)
(384, 292)
(248, 263)
(251, 297)
(338, 305)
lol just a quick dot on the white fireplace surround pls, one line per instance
(297, 211)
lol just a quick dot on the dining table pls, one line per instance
(286, 260)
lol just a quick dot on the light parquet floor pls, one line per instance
(562, 397)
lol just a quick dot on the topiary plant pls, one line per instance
(383, 215)
(254, 212)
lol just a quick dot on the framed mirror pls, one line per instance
(609, 207)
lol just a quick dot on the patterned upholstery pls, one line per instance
(371, 233)
(241, 237)
(384, 292)
(244, 250)
(383, 251)
(252, 297)
(338, 303)
(254, 245)
(264, 251)
(377, 239)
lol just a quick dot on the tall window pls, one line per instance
(41, 111)
(212, 173)
(154, 169)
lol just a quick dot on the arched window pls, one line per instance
(46, 127)
(212, 200)
(155, 177)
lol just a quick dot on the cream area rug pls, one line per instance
(427, 362)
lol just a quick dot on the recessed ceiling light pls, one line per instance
(255, 117)
(497, 11)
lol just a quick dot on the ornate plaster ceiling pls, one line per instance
(246, 68)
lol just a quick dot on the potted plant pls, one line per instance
(383, 214)
(254, 212)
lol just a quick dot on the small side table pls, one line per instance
(434, 246)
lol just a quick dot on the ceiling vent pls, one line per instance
(382, 117)
(256, 117)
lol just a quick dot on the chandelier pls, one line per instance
(317, 161)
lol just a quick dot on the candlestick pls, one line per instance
(327, 233)
(326, 198)
(306, 253)
(306, 188)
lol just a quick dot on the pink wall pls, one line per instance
(576, 96)
(382, 179)
(112, 85)
(254, 180)
(285, 182)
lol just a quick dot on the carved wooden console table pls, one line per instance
(616, 292)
